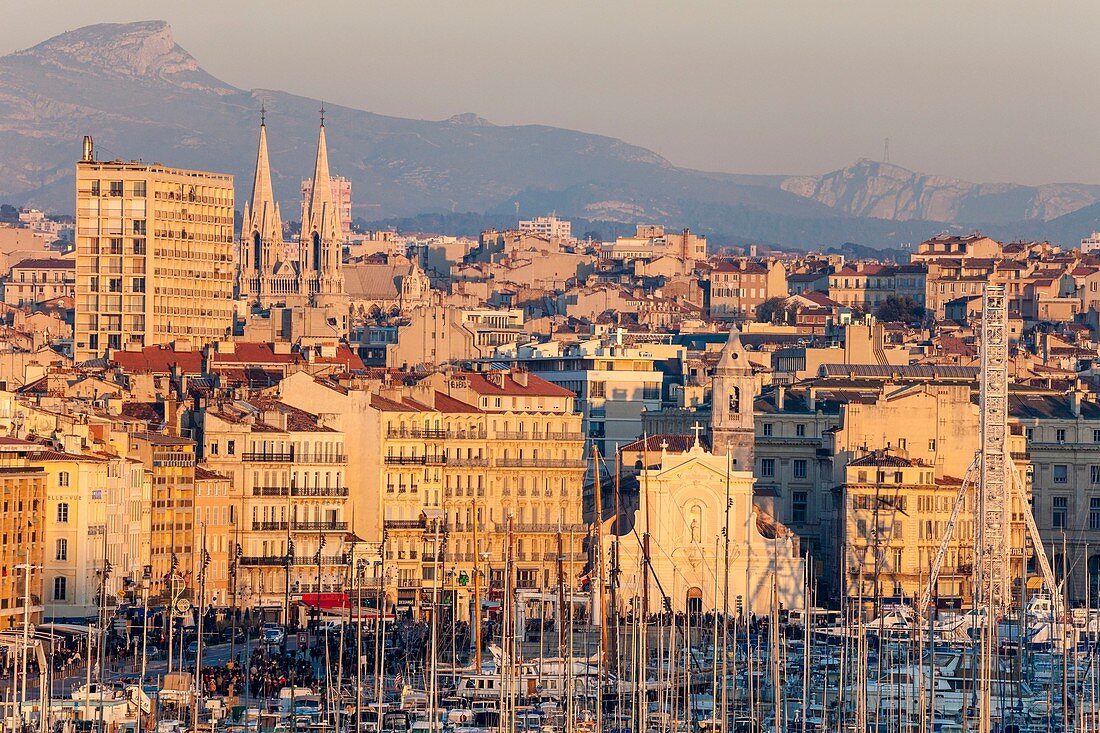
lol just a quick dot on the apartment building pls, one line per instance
(21, 537)
(896, 514)
(171, 463)
(480, 457)
(738, 289)
(154, 256)
(285, 499)
(37, 280)
(550, 227)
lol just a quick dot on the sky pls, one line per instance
(990, 90)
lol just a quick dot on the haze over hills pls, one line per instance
(142, 96)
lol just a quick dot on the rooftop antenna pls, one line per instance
(263, 114)
(886, 151)
(322, 113)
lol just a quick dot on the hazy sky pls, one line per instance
(997, 90)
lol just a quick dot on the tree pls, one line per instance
(772, 310)
(899, 308)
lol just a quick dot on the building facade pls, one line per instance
(154, 256)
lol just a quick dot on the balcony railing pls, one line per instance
(405, 524)
(320, 458)
(270, 490)
(468, 462)
(541, 463)
(549, 435)
(405, 460)
(265, 457)
(269, 526)
(529, 527)
(329, 491)
(425, 433)
(320, 526)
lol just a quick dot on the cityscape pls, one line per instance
(288, 444)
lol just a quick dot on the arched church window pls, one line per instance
(735, 400)
(256, 250)
(316, 251)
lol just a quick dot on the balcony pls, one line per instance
(424, 433)
(266, 457)
(320, 458)
(270, 490)
(319, 526)
(269, 526)
(323, 491)
(543, 528)
(468, 462)
(405, 460)
(550, 435)
(405, 524)
(541, 463)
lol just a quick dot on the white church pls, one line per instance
(682, 498)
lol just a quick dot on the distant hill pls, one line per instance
(142, 96)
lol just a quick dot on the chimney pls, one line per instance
(87, 155)
(519, 376)
(1075, 396)
(780, 396)
(811, 399)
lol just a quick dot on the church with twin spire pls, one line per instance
(278, 276)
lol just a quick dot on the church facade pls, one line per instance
(291, 276)
(682, 517)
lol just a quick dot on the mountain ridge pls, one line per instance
(142, 96)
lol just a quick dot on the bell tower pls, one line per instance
(732, 395)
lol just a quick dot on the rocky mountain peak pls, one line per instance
(144, 50)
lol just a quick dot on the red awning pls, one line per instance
(325, 600)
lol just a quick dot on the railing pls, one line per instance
(405, 460)
(263, 561)
(270, 490)
(404, 524)
(319, 526)
(468, 462)
(549, 435)
(334, 491)
(319, 458)
(265, 457)
(529, 527)
(541, 463)
(427, 433)
(269, 526)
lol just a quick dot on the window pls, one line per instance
(139, 188)
(63, 513)
(230, 447)
(800, 430)
(1060, 473)
(651, 391)
(767, 427)
(1060, 435)
(63, 478)
(214, 448)
(798, 506)
(1094, 513)
(60, 586)
(1059, 511)
(932, 445)
(767, 467)
(897, 559)
(1096, 436)
(902, 443)
(799, 468)
(597, 389)
(898, 477)
(62, 549)
(1094, 475)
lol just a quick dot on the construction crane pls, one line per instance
(996, 478)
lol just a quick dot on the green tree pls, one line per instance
(772, 310)
(899, 308)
